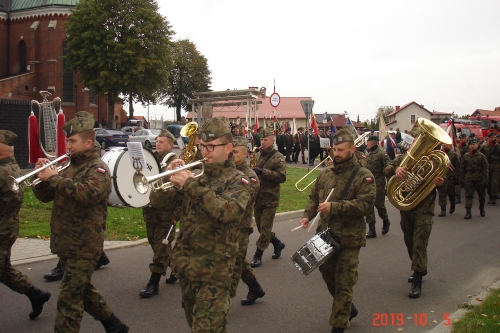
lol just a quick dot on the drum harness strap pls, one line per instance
(345, 191)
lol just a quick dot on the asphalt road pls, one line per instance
(463, 258)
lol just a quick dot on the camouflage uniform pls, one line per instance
(348, 228)
(492, 153)
(452, 179)
(376, 161)
(80, 197)
(204, 255)
(268, 199)
(474, 175)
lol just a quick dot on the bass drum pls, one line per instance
(123, 192)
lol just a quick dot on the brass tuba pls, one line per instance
(423, 164)
(190, 151)
(253, 157)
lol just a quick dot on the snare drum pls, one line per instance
(123, 192)
(315, 252)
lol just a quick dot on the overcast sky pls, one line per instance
(349, 55)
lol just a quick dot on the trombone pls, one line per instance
(156, 182)
(14, 183)
(307, 174)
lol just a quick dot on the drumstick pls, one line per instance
(165, 241)
(318, 215)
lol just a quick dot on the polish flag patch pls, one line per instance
(244, 181)
(369, 180)
(282, 161)
(253, 180)
(101, 170)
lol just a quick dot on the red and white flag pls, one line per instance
(314, 126)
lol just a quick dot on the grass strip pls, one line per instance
(482, 318)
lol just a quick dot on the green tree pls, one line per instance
(120, 47)
(189, 74)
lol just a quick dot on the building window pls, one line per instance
(413, 118)
(67, 79)
(22, 57)
(92, 95)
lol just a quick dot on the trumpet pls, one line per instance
(156, 182)
(15, 183)
(307, 174)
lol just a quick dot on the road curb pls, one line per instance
(455, 316)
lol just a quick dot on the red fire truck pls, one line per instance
(467, 127)
(488, 123)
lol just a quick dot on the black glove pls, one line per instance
(258, 171)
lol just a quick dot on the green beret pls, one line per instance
(491, 134)
(215, 128)
(472, 135)
(166, 134)
(83, 121)
(7, 137)
(343, 135)
(474, 140)
(267, 132)
(463, 135)
(240, 141)
(373, 137)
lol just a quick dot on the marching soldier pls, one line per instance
(242, 269)
(271, 171)
(159, 223)
(10, 204)
(212, 207)
(491, 150)
(474, 176)
(343, 217)
(376, 161)
(80, 207)
(452, 179)
(463, 148)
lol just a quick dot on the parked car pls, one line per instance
(110, 137)
(175, 129)
(128, 129)
(147, 137)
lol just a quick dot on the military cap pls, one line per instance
(240, 141)
(373, 137)
(343, 135)
(83, 121)
(473, 140)
(300, 128)
(7, 137)
(215, 128)
(267, 132)
(166, 134)
(491, 134)
(463, 135)
(472, 135)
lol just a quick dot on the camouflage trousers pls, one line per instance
(206, 306)
(10, 276)
(156, 232)
(242, 269)
(264, 218)
(494, 179)
(379, 204)
(340, 274)
(471, 186)
(416, 229)
(77, 294)
(449, 191)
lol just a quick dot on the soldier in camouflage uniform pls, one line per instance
(463, 148)
(271, 171)
(10, 204)
(491, 150)
(474, 176)
(212, 207)
(376, 161)
(159, 222)
(452, 179)
(242, 269)
(345, 222)
(80, 198)
(416, 225)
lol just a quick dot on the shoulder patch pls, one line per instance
(253, 179)
(244, 181)
(282, 160)
(101, 170)
(369, 180)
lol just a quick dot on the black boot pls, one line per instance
(452, 207)
(37, 298)
(410, 279)
(255, 291)
(481, 210)
(385, 226)
(416, 285)
(171, 279)
(354, 312)
(114, 325)
(103, 261)
(493, 201)
(337, 330)
(468, 214)
(152, 287)
(457, 200)
(54, 275)
(278, 247)
(371, 231)
(443, 211)
(257, 258)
